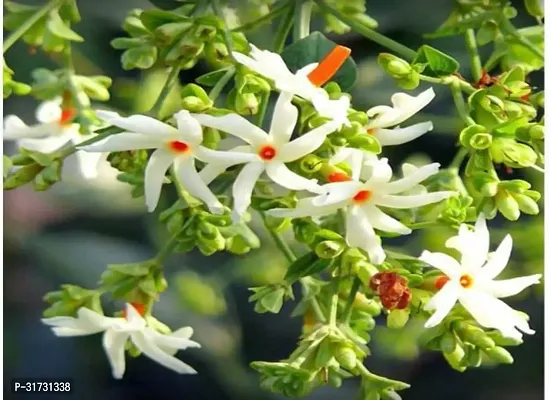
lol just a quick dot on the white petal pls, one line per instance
(189, 127)
(418, 200)
(226, 158)
(46, 145)
(192, 182)
(412, 179)
(306, 143)
(156, 354)
(404, 106)
(396, 136)
(338, 192)
(286, 178)
(92, 318)
(336, 110)
(139, 124)
(69, 326)
(493, 313)
(264, 62)
(342, 155)
(473, 245)
(383, 222)
(243, 188)
(360, 233)
(443, 262)
(307, 69)
(155, 172)
(178, 340)
(82, 164)
(442, 302)
(235, 125)
(49, 111)
(284, 119)
(15, 128)
(510, 287)
(376, 172)
(113, 344)
(499, 259)
(304, 208)
(212, 171)
(123, 142)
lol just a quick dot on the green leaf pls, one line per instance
(139, 57)
(307, 265)
(435, 62)
(152, 19)
(7, 166)
(57, 26)
(457, 24)
(313, 49)
(210, 79)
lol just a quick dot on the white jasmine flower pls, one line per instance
(382, 118)
(306, 82)
(361, 199)
(53, 132)
(265, 151)
(179, 146)
(471, 282)
(155, 345)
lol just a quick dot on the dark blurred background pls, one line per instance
(70, 234)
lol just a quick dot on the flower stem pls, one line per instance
(280, 242)
(369, 33)
(276, 11)
(40, 13)
(284, 29)
(458, 159)
(171, 81)
(263, 107)
(227, 34)
(303, 13)
(460, 103)
(476, 66)
(221, 84)
(172, 242)
(345, 317)
(508, 28)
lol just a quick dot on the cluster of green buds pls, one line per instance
(43, 170)
(9, 85)
(404, 74)
(52, 31)
(175, 38)
(70, 299)
(353, 9)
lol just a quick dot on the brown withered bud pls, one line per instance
(392, 290)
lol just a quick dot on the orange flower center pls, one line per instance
(466, 281)
(140, 308)
(178, 147)
(362, 196)
(267, 153)
(329, 66)
(338, 177)
(370, 131)
(440, 282)
(67, 115)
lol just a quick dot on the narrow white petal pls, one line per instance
(383, 222)
(235, 125)
(284, 119)
(123, 142)
(227, 158)
(307, 69)
(336, 110)
(306, 143)
(92, 318)
(283, 176)
(192, 182)
(412, 179)
(49, 111)
(510, 287)
(396, 136)
(360, 233)
(493, 313)
(418, 200)
(473, 245)
(442, 302)
(189, 128)
(376, 172)
(382, 117)
(82, 164)
(155, 171)
(304, 208)
(174, 341)
(139, 124)
(212, 171)
(46, 145)
(404, 106)
(443, 262)
(156, 354)
(499, 259)
(113, 344)
(15, 128)
(342, 155)
(243, 188)
(69, 326)
(338, 192)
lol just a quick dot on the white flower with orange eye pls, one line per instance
(54, 131)
(179, 146)
(382, 118)
(361, 199)
(265, 152)
(471, 282)
(153, 344)
(306, 82)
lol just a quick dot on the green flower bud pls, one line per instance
(359, 117)
(168, 33)
(469, 132)
(513, 110)
(537, 132)
(271, 302)
(370, 306)
(195, 99)
(500, 340)
(304, 231)
(187, 48)
(311, 164)
(448, 342)
(346, 357)
(534, 8)
(474, 335)
(394, 66)
(507, 205)
(397, 319)
(473, 356)
(246, 103)
(526, 204)
(334, 379)
(485, 184)
(409, 83)
(22, 175)
(480, 141)
(330, 249)
(455, 357)
(537, 99)
(500, 355)
(355, 128)
(216, 54)
(365, 271)
(337, 141)
(512, 154)
(366, 142)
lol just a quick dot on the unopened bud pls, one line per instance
(480, 141)
(346, 357)
(246, 103)
(526, 204)
(394, 66)
(507, 205)
(500, 355)
(535, 8)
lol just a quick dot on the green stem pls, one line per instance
(458, 160)
(40, 13)
(276, 11)
(448, 80)
(263, 107)
(172, 242)
(345, 317)
(170, 83)
(280, 242)
(508, 28)
(227, 34)
(476, 65)
(303, 13)
(284, 29)
(369, 33)
(221, 84)
(460, 103)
